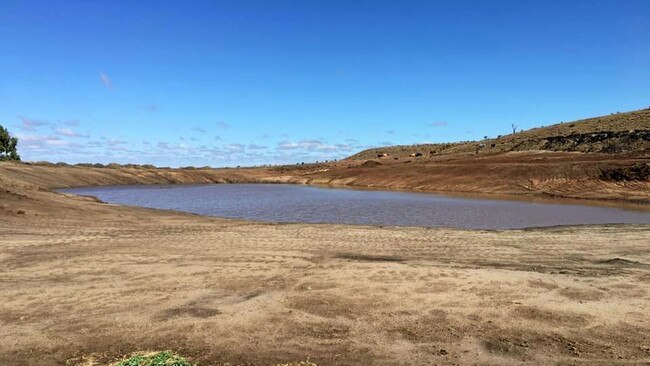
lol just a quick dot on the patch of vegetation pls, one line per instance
(637, 172)
(165, 358)
(8, 146)
(168, 358)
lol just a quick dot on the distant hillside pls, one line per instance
(617, 133)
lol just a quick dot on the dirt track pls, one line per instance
(80, 278)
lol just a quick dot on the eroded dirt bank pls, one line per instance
(79, 278)
(538, 174)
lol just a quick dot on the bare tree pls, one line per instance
(514, 128)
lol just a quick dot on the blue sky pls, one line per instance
(251, 82)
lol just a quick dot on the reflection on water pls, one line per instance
(294, 203)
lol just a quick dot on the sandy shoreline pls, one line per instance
(80, 278)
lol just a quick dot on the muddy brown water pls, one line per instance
(309, 204)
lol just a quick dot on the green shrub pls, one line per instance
(165, 358)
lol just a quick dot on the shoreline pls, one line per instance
(641, 206)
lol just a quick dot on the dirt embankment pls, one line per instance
(52, 176)
(571, 175)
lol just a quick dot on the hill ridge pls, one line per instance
(627, 132)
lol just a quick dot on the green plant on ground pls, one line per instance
(165, 358)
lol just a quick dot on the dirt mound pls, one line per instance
(619, 262)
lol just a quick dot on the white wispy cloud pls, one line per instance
(234, 148)
(113, 142)
(105, 80)
(35, 141)
(151, 107)
(62, 141)
(314, 145)
(30, 124)
(256, 147)
(69, 133)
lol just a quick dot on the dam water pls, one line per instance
(310, 204)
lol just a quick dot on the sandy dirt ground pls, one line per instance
(83, 279)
